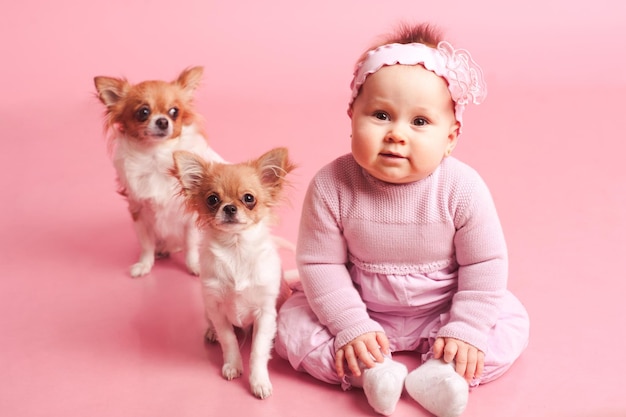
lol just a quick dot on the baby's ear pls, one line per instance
(189, 169)
(453, 137)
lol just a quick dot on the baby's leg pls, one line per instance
(507, 340)
(309, 347)
(383, 385)
(438, 388)
(304, 342)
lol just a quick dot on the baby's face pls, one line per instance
(403, 123)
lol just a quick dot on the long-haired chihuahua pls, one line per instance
(146, 123)
(240, 267)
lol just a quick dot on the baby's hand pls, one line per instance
(368, 348)
(469, 360)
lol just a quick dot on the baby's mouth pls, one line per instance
(391, 155)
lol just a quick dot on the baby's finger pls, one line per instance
(480, 364)
(373, 351)
(352, 361)
(438, 348)
(460, 358)
(383, 342)
(339, 357)
(470, 370)
(450, 352)
(362, 352)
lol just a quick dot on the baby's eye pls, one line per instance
(142, 113)
(420, 121)
(212, 200)
(173, 112)
(381, 115)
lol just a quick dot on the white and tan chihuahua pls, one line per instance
(146, 123)
(240, 267)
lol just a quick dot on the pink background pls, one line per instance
(80, 337)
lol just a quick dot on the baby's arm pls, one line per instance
(368, 348)
(469, 360)
(322, 255)
(482, 276)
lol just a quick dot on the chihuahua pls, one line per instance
(240, 267)
(146, 123)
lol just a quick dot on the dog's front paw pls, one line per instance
(140, 269)
(192, 260)
(193, 268)
(231, 371)
(261, 388)
(210, 335)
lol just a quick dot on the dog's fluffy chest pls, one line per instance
(144, 176)
(143, 170)
(242, 280)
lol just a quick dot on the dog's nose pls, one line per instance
(162, 123)
(230, 209)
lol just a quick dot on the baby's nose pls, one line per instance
(396, 134)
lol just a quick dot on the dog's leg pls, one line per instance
(233, 364)
(264, 331)
(192, 247)
(148, 246)
(210, 334)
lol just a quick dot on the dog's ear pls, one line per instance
(189, 169)
(189, 80)
(273, 167)
(111, 90)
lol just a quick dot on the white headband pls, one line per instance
(464, 76)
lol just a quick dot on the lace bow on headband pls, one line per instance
(465, 78)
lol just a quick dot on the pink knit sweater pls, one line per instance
(445, 221)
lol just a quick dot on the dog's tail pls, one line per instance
(291, 276)
(283, 243)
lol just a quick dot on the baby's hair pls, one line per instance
(425, 33)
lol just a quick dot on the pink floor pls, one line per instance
(81, 338)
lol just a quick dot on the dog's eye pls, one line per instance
(143, 113)
(249, 200)
(173, 112)
(213, 200)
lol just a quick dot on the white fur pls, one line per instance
(241, 280)
(162, 224)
